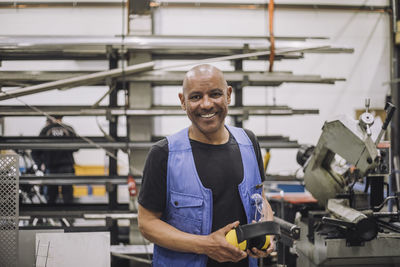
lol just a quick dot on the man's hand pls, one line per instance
(257, 253)
(220, 250)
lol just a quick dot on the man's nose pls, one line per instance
(206, 102)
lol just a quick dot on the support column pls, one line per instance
(113, 126)
(140, 128)
(238, 87)
(395, 95)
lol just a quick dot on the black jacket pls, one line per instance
(56, 158)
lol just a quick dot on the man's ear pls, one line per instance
(182, 99)
(228, 93)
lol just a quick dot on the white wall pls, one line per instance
(365, 71)
(63, 21)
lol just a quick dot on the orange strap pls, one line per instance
(271, 34)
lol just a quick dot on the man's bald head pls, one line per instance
(204, 71)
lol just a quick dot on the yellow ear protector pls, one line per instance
(253, 235)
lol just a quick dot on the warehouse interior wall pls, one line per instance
(367, 70)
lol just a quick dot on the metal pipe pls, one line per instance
(67, 180)
(253, 6)
(155, 111)
(154, 42)
(132, 258)
(76, 81)
(365, 227)
(111, 215)
(120, 145)
(340, 209)
(194, 4)
(92, 78)
(77, 145)
(11, 78)
(58, 4)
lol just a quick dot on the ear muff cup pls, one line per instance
(231, 237)
(260, 242)
(253, 235)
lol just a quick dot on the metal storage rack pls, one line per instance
(140, 110)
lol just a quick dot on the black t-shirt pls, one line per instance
(218, 169)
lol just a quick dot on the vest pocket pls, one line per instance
(186, 212)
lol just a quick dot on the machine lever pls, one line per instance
(291, 229)
(390, 109)
(396, 198)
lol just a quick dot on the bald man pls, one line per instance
(197, 183)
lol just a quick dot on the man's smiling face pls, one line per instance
(205, 98)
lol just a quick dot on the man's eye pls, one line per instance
(216, 95)
(194, 97)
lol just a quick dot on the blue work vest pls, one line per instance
(189, 204)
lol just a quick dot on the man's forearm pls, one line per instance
(213, 245)
(165, 235)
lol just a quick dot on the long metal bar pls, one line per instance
(160, 44)
(76, 210)
(59, 4)
(189, 4)
(71, 179)
(254, 78)
(12, 78)
(164, 54)
(90, 78)
(132, 258)
(47, 146)
(161, 47)
(52, 181)
(42, 139)
(155, 111)
(36, 139)
(112, 215)
(121, 145)
(29, 142)
(252, 6)
(76, 81)
(73, 145)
